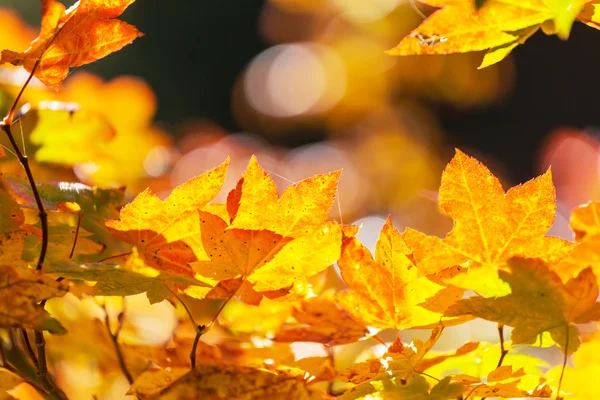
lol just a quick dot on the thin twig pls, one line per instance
(503, 351)
(200, 329)
(76, 235)
(38, 200)
(29, 349)
(564, 365)
(115, 339)
(42, 373)
(2, 355)
(427, 375)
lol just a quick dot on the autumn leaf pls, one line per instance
(303, 207)
(129, 278)
(222, 381)
(20, 292)
(502, 382)
(539, 302)
(167, 233)
(386, 291)
(319, 319)
(70, 38)
(95, 205)
(400, 361)
(585, 223)
(78, 128)
(267, 260)
(12, 234)
(489, 225)
(497, 26)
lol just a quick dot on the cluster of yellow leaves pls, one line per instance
(498, 26)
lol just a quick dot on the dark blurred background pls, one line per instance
(296, 72)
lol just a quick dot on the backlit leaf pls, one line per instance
(74, 37)
(167, 233)
(386, 291)
(539, 302)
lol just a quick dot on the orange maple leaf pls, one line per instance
(71, 38)
(386, 291)
(271, 242)
(585, 223)
(167, 233)
(489, 225)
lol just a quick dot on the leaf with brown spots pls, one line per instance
(167, 233)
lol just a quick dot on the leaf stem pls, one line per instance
(115, 339)
(564, 365)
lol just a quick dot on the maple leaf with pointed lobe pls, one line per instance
(386, 291)
(585, 223)
(167, 233)
(271, 243)
(497, 26)
(303, 207)
(70, 38)
(539, 302)
(489, 225)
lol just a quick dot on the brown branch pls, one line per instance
(503, 351)
(29, 349)
(24, 160)
(115, 339)
(42, 373)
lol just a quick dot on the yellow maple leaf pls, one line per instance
(489, 225)
(303, 207)
(167, 233)
(498, 26)
(265, 259)
(539, 302)
(386, 291)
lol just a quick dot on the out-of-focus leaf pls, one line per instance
(20, 292)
